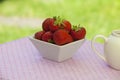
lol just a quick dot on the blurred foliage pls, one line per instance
(9, 33)
(1, 1)
(98, 16)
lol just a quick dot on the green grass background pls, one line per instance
(98, 16)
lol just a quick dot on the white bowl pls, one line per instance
(55, 52)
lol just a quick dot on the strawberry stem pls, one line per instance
(76, 28)
(54, 17)
(58, 20)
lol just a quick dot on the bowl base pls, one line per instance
(58, 61)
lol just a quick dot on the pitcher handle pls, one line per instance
(94, 49)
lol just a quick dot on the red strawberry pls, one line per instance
(46, 23)
(59, 23)
(78, 33)
(66, 25)
(47, 36)
(53, 26)
(61, 37)
(38, 35)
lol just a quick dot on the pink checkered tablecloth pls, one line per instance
(20, 60)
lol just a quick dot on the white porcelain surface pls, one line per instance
(55, 52)
(111, 49)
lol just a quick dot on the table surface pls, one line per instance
(20, 60)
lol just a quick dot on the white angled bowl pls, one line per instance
(55, 52)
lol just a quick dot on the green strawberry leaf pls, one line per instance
(51, 41)
(76, 28)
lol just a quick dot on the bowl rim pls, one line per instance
(32, 37)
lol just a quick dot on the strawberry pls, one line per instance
(53, 26)
(59, 23)
(61, 37)
(78, 32)
(38, 35)
(47, 36)
(46, 23)
(66, 25)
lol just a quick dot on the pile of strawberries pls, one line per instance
(59, 31)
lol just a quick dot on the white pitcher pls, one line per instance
(111, 49)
